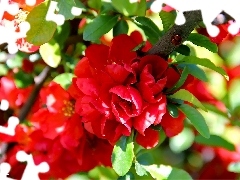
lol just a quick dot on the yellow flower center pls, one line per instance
(68, 109)
(21, 16)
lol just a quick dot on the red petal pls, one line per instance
(159, 65)
(83, 68)
(54, 96)
(149, 140)
(118, 73)
(121, 50)
(88, 86)
(73, 131)
(151, 115)
(97, 55)
(148, 87)
(127, 99)
(173, 126)
(137, 37)
(172, 77)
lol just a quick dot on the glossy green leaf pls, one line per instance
(181, 81)
(50, 53)
(62, 33)
(123, 155)
(183, 49)
(196, 118)
(216, 141)
(182, 141)
(213, 108)
(203, 62)
(142, 7)
(120, 28)
(197, 72)
(65, 7)
(41, 30)
(64, 79)
(168, 19)
(161, 172)
(98, 27)
(189, 97)
(23, 80)
(234, 167)
(140, 170)
(128, 176)
(125, 7)
(203, 41)
(173, 110)
(150, 29)
(3, 69)
(95, 4)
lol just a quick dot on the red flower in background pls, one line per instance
(119, 91)
(56, 136)
(11, 21)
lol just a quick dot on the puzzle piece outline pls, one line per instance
(31, 170)
(209, 9)
(12, 121)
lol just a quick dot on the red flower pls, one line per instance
(58, 109)
(149, 140)
(173, 126)
(119, 91)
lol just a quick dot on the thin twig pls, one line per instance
(39, 81)
(164, 47)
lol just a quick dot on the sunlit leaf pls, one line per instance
(196, 118)
(122, 155)
(189, 97)
(215, 141)
(50, 53)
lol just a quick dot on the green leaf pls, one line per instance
(3, 69)
(142, 7)
(189, 97)
(203, 41)
(234, 167)
(161, 172)
(214, 109)
(182, 141)
(196, 119)
(183, 49)
(140, 170)
(196, 72)
(176, 173)
(128, 176)
(41, 30)
(123, 155)
(65, 7)
(216, 141)
(180, 81)
(62, 33)
(64, 79)
(95, 4)
(149, 27)
(120, 28)
(22, 79)
(173, 110)
(50, 53)
(168, 19)
(203, 62)
(98, 27)
(125, 7)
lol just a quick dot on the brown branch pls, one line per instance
(164, 47)
(39, 81)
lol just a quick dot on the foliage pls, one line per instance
(97, 99)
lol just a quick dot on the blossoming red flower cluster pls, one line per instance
(116, 92)
(119, 91)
